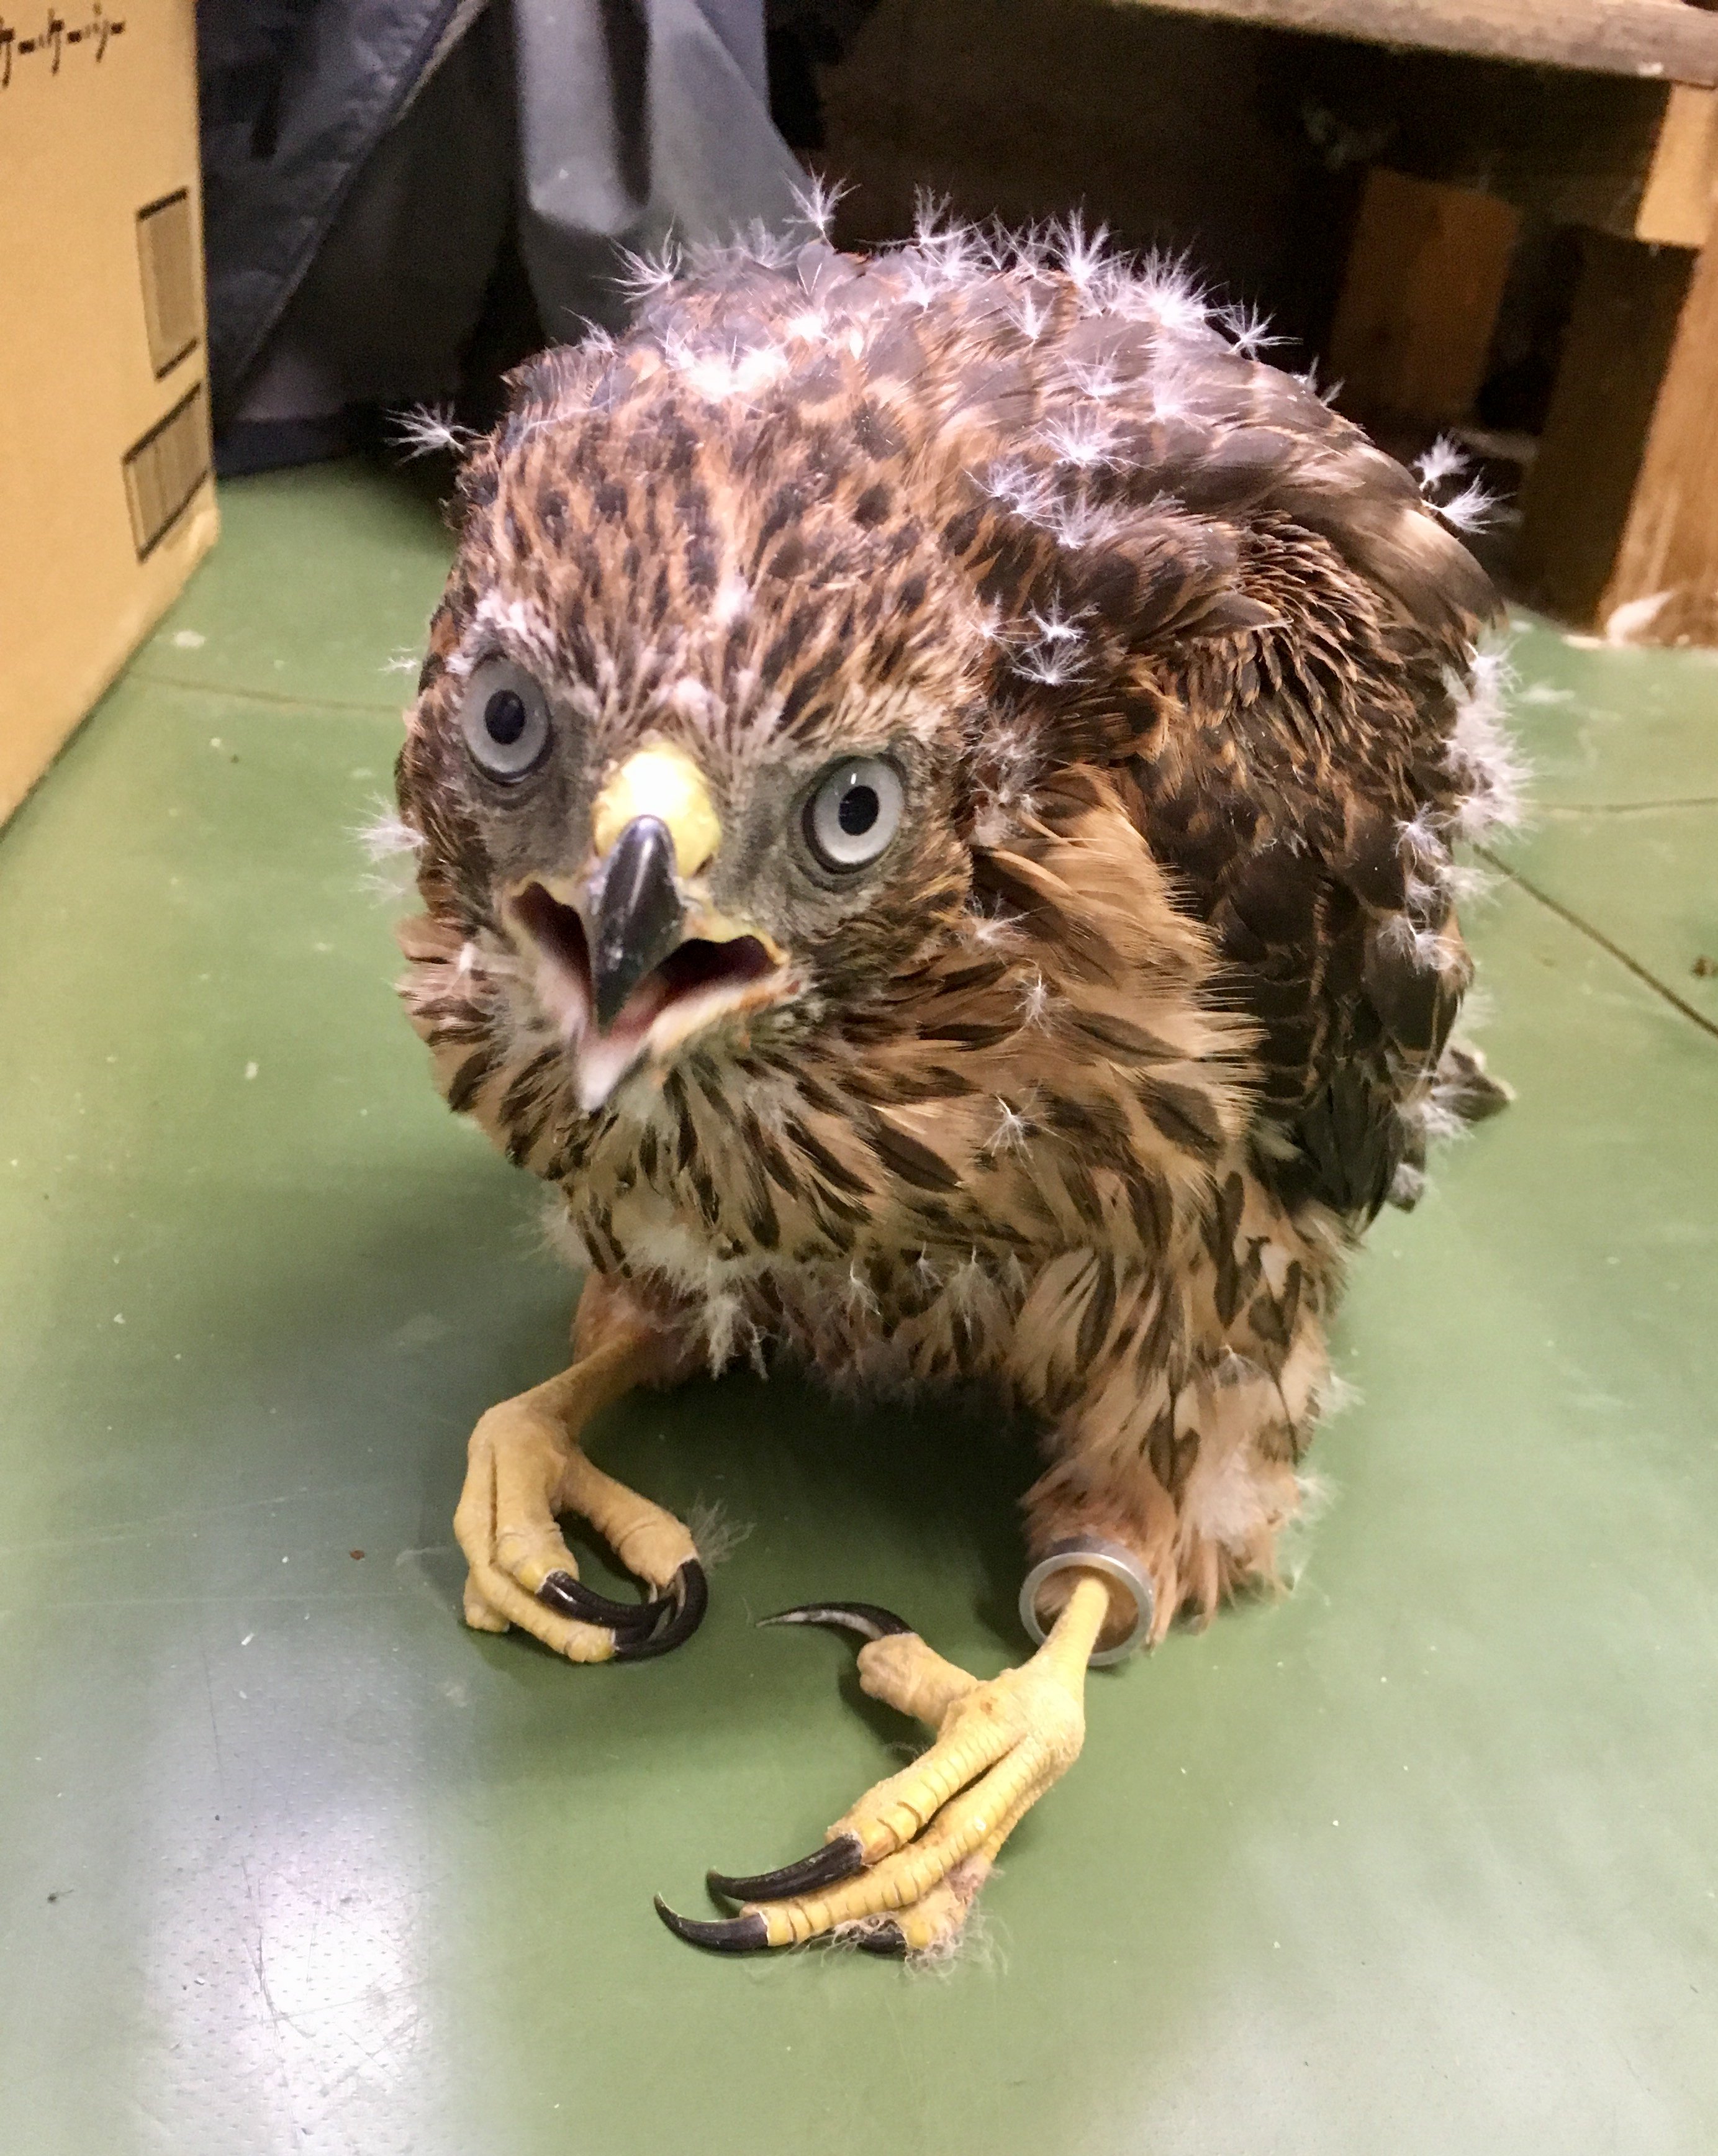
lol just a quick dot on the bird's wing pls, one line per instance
(1212, 584)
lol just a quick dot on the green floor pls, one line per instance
(1421, 1859)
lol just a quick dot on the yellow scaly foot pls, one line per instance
(903, 1866)
(525, 1469)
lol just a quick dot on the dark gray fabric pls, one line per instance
(291, 111)
(387, 306)
(634, 117)
(349, 247)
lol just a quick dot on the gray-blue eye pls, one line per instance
(505, 717)
(853, 812)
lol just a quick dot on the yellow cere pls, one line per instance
(662, 781)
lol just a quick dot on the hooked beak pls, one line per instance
(638, 916)
(631, 960)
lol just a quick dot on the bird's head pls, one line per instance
(686, 753)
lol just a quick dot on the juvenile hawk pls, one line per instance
(933, 783)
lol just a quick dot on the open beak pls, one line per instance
(640, 916)
(630, 959)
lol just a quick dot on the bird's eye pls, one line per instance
(853, 812)
(505, 720)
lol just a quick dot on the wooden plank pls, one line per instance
(1578, 501)
(1571, 149)
(1670, 538)
(1425, 278)
(1675, 209)
(1664, 40)
(1568, 148)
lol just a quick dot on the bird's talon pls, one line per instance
(742, 1934)
(869, 1620)
(828, 1866)
(525, 1472)
(687, 1600)
(899, 1872)
(887, 1940)
(571, 1598)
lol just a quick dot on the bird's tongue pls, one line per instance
(603, 1059)
(703, 981)
(698, 980)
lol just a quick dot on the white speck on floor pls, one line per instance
(188, 639)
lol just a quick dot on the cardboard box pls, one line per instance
(106, 501)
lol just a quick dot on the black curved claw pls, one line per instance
(868, 1619)
(744, 1934)
(827, 1866)
(688, 1599)
(572, 1598)
(883, 1939)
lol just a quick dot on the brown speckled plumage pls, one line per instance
(1090, 1086)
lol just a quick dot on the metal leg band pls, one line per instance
(1090, 1553)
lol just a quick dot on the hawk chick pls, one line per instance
(934, 781)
